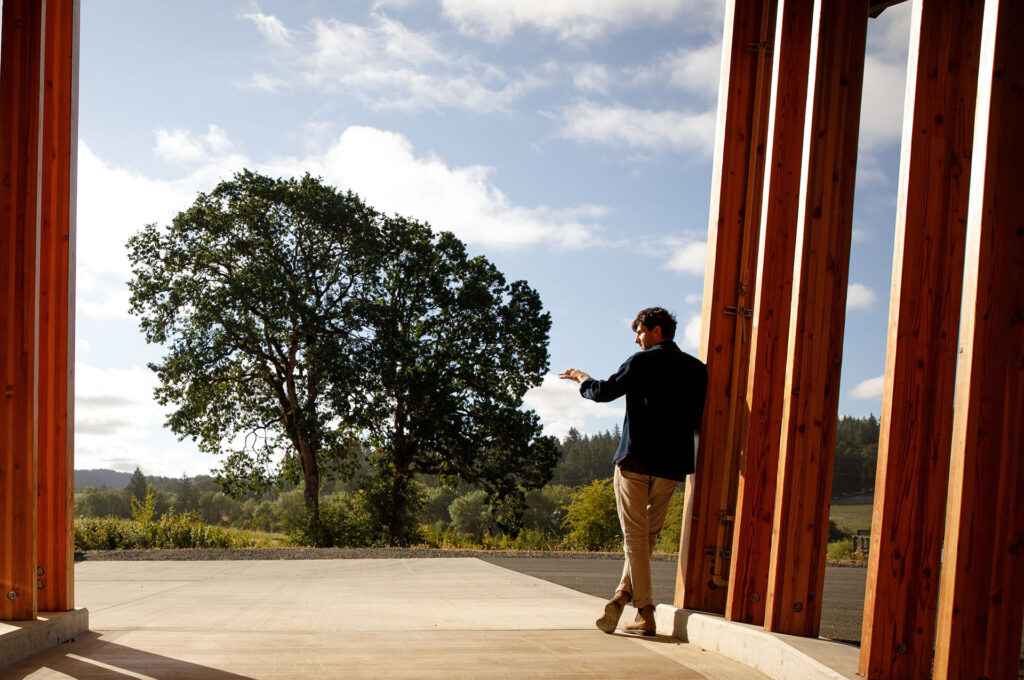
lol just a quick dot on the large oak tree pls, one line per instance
(299, 321)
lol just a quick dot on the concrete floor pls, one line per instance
(394, 618)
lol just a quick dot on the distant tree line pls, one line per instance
(575, 510)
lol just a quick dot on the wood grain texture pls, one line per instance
(20, 121)
(755, 504)
(924, 311)
(981, 592)
(728, 290)
(56, 310)
(817, 317)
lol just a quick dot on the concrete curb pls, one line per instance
(22, 639)
(780, 657)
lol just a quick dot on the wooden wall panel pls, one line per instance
(924, 312)
(981, 593)
(755, 504)
(56, 310)
(20, 121)
(728, 296)
(817, 317)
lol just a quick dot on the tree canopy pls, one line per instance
(299, 322)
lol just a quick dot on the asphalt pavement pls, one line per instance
(840, 617)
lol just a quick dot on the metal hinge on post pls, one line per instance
(732, 310)
(760, 46)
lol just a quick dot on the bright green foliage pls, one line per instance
(170, 531)
(668, 540)
(592, 519)
(144, 511)
(842, 551)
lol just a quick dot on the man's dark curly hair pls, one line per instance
(656, 316)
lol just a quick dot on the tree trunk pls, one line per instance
(311, 491)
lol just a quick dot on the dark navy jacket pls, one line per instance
(664, 389)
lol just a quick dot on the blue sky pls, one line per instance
(567, 140)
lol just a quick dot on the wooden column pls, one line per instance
(20, 123)
(924, 312)
(56, 310)
(981, 594)
(817, 317)
(728, 297)
(748, 582)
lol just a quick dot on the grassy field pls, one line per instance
(851, 517)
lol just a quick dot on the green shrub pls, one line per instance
(436, 500)
(841, 551)
(471, 515)
(591, 518)
(546, 508)
(668, 541)
(346, 520)
(170, 531)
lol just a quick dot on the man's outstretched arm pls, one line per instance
(601, 390)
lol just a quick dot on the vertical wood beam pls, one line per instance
(702, 574)
(981, 593)
(57, 309)
(817, 317)
(20, 122)
(755, 504)
(924, 311)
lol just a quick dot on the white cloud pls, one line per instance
(881, 118)
(560, 407)
(869, 389)
(592, 78)
(265, 82)
(115, 421)
(694, 69)
(859, 296)
(182, 146)
(691, 333)
(271, 28)
(573, 20)
(689, 258)
(694, 298)
(639, 128)
(390, 66)
(382, 167)
(385, 170)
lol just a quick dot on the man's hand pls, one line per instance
(574, 374)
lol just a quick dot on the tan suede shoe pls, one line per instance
(644, 624)
(613, 612)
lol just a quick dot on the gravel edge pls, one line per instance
(306, 553)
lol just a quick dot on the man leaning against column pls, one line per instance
(665, 389)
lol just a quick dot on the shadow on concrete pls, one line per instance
(93, 658)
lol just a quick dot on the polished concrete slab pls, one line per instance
(389, 618)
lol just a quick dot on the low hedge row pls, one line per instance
(170, 531)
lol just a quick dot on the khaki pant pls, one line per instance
(642, 501)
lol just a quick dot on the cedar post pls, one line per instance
(20, 123)
(924, 311)
(981, 593)
(755, 502)
(57, 309)
(738, 172)
(817, 317)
